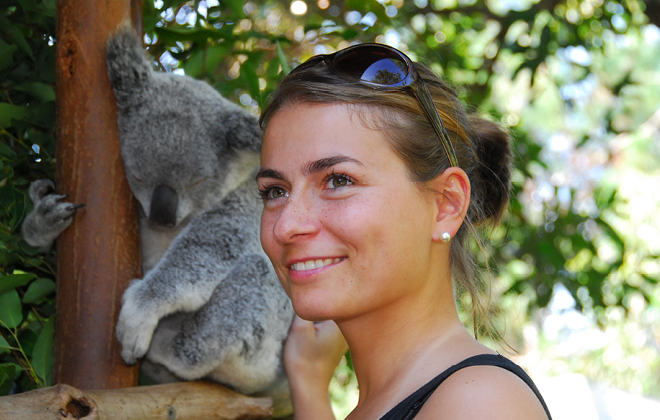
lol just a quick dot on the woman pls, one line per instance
(372, 176)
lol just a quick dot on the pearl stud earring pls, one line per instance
(446, 237)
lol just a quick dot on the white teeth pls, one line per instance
(298, 266)
(312, 264)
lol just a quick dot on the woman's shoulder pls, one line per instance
(485, 392)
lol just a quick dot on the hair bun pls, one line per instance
(492, 169)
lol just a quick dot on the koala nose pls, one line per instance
(164, 204)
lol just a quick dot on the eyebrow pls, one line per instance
(270, 173)
(325, 163)
(313, 167)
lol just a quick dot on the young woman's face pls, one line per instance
(345, 228)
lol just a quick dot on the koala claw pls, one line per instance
(135, 327)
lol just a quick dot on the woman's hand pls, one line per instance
(311, 354)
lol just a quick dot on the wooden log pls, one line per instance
(99, 254)
(180, 401)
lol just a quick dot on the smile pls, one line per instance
(312, 264)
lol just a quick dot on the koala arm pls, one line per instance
(196, 262)
(51, 215)
(236, 337)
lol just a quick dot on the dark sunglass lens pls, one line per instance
(385, 72)
(375, 65)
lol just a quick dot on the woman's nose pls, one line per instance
(296, 220)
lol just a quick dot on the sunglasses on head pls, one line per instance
(383, 67)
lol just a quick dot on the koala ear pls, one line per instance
(242, 130)
(128, 67)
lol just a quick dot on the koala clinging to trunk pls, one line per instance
(209, 305)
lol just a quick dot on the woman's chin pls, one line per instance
(311, 312)
(310, 315)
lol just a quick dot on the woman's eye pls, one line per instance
(338, 181)
(273, 193)
(277, 193)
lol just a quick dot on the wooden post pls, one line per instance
(99, 254)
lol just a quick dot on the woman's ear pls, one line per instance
(452, 199)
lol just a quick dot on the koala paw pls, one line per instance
(51, 214)
(136, 325)
(56, 212)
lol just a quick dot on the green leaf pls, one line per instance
(38, 290)
(28, 249)
(42, 356)
(9, 372)
(41, 91)
(280, 54)
(6, 150)
(13, 281)
(4, 345)
(28, 339)
(193, 66)
(151, 16)
(42, 114)
(215, 54)
(18, 210)
(249, 76)
(6, 54)
(7, 196)
(48, 8)
(11, 315)
(15, 35)
(237, 7)
(198, 35)
(28, 5)
(349, 34)
(9, 112)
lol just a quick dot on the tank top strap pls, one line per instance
(409, 407)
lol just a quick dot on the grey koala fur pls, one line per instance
(209, 305)
(190, 157)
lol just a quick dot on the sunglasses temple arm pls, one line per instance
(424, 97)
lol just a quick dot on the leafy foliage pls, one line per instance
(27, 122)
(556, 72)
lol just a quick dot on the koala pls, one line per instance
(209, 305)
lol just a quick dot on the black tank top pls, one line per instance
(408, 408)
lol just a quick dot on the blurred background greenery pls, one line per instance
(577, 82)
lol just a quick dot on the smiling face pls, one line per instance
(345, 228)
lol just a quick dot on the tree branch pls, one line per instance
(181, 401)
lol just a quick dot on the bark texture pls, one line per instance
(99, 253)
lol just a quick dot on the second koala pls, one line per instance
(209, 305)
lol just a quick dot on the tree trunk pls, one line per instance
(99, 254)
(181, 401)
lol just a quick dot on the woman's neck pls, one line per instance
(400, 347)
